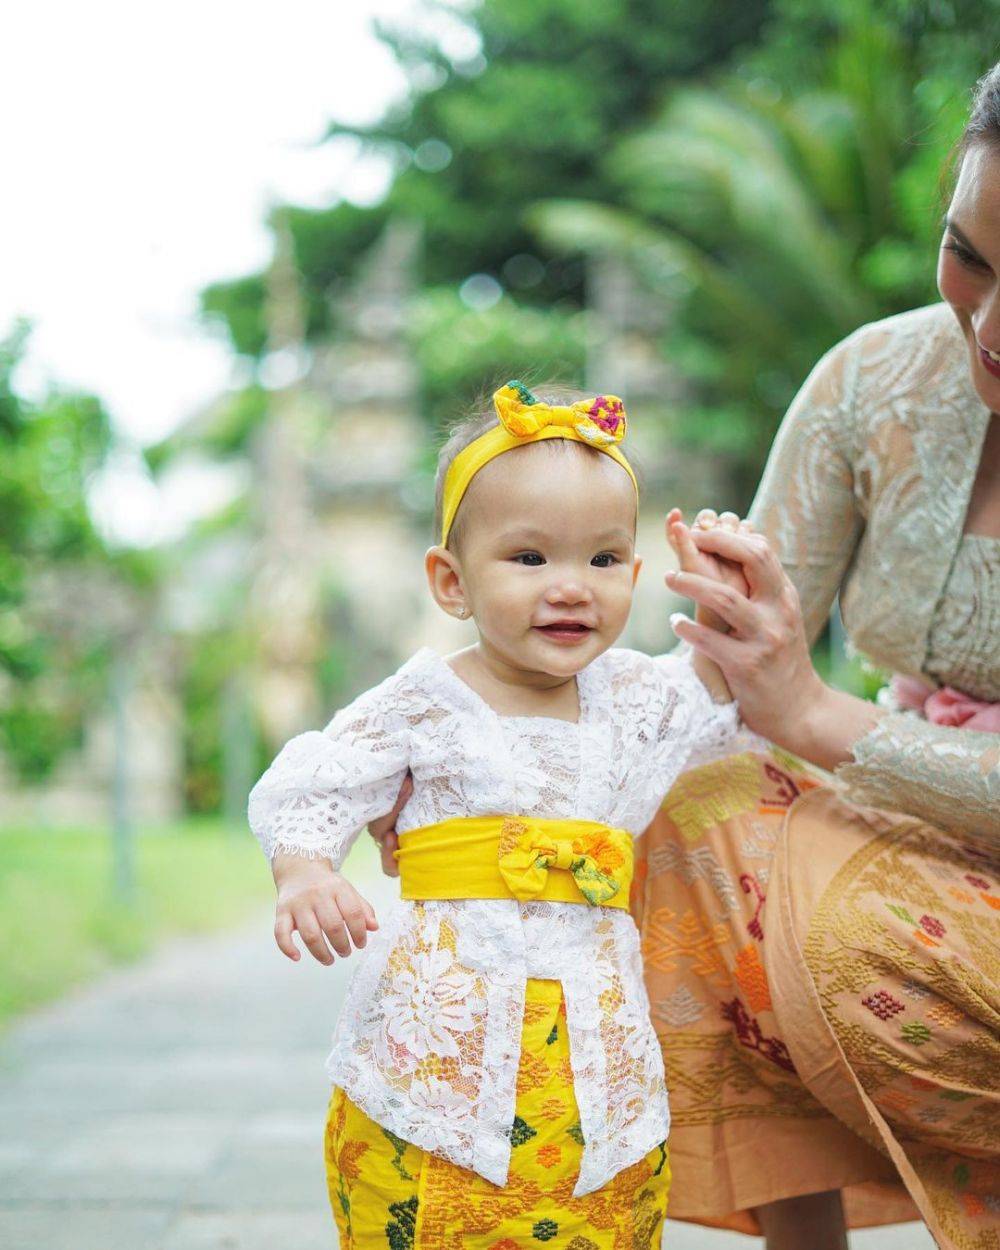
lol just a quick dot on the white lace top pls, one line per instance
(429, 1038)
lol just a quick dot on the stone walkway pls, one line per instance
(179, 1106)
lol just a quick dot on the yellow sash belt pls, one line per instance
(561, 861)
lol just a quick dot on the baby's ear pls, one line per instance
(444, 580)
(636, 567)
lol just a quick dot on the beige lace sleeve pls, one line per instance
(806, 501)
(949, 777)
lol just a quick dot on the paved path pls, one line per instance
(179, 1106)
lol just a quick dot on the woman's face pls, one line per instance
(969, 265)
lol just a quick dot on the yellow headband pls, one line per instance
(599, 422)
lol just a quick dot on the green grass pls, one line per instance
(60, 924)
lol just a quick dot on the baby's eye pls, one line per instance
(604, 560)
(531, 559)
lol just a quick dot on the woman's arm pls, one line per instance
(807, 508)
(765, 656)
(812, 505)
(808, 504)
(948, 776)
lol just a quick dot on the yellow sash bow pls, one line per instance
(569, 861)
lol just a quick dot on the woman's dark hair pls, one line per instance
(983, 126)
(984, 120)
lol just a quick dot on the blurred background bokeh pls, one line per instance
(686, 204)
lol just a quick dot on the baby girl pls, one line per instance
(497, 1078)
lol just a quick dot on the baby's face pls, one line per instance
(547, 555)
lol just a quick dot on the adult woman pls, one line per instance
(844, 1036)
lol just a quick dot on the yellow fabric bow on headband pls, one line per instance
(599, 422)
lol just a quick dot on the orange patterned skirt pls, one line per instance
(388, 1194)
(824, 982)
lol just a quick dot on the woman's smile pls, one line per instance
(991, 361)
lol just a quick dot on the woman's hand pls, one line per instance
(322, 905)
(765, 654)
(693, 560)
(383, 830)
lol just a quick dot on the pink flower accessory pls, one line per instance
(600, 421)
(946, 706)
(608, 412)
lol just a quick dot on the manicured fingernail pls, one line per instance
(676, 618)
(670, 577)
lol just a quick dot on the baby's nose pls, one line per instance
(568, 590)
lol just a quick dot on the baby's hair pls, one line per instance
(482, 417)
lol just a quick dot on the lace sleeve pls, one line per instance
(323, 788)
(708, 729)
(949, 777)
(806, 503)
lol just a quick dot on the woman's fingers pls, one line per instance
(760, 565)
(384, 824)
(717, 646)
(388, 846)
(405, 790)
(719, 597)
(706, 518)
(383, 830)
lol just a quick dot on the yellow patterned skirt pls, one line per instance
(387, 1194)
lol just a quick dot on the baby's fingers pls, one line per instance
(673, 517)
(333, 923)
(283, 926)
(688, 555)
(311, 932)
(356, 913)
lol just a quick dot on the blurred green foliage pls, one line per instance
(463, 354)
(479, 140)
(789, 202)
(53, 658)
(771, 170)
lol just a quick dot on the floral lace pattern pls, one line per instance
(428, 1040)
(866, 493)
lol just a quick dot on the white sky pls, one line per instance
(141, 145)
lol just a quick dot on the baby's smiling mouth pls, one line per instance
(567, 630)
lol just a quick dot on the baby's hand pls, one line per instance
(322, 905)
(692, 560)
